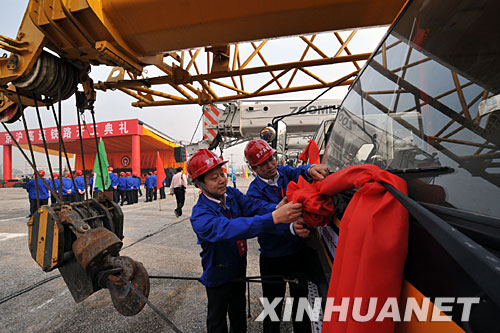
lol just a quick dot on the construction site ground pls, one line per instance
(170, 250)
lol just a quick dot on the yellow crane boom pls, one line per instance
(132, 34)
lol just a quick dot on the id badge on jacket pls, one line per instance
(242, 246)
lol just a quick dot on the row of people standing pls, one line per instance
(151, 187)
(68, 190)
(128, 188)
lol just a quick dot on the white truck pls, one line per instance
(237, 122)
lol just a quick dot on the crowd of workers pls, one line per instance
(223, 218)
(126, 187)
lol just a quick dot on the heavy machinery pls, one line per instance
(83, 240)
(238, 122)
(58, 42)
(424, 106)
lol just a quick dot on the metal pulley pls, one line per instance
(83, 240)
(50, 76)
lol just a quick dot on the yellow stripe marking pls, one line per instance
(55, 245)
(42, 230)
(30, 229)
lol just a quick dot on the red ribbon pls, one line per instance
(317, 209)
(372, 245)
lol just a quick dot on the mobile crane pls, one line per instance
(238, 122)
(424, 106)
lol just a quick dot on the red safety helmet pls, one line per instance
(79, 172)
(41, 172)
(258, 151)
(134, 174)
(55, 175)
(203, 161)
(110, 168)
(128, 173)
(156, 172)
(122, 173)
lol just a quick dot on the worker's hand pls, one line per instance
(287, 213)
(69, 191)
(318, 171)
(282, 202)
(300, 228)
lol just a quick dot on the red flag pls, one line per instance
(160, 172)
(311, 153)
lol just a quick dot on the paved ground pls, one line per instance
(173, 251)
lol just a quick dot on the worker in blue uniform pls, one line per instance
(137, 187)
(43, 192)
(54, 180)
(80, 186)
(155, 188)
(130, 188)
(148, 184)
(122, 188)
(68, 190)
(114, 184)
(162, 188)
(223, 218)
(282, 250)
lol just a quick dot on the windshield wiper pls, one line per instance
(421, 172)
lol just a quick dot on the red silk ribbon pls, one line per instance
(372, 245)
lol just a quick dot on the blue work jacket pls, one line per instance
(279, 241)
(130, 183)
(114, 180)
(153, 180)
(51, 185)
(150, 182)
(219, 229)
(80, 183)
(137, 183)
(67, 184)
(43, 192)
(122, 183)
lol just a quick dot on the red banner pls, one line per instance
(70, 132)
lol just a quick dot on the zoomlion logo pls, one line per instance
(315, 109)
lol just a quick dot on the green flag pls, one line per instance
(104, 171)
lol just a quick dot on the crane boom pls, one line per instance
(130, 35)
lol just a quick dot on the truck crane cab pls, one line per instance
(418, 110)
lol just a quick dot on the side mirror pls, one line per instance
(268, 134)
(364, 152)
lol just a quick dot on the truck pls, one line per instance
(425, 107)
(238, 121)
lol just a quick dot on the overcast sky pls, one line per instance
(179, 122)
